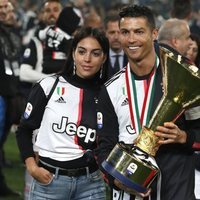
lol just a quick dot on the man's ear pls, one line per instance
(174, 42)
(155, 33)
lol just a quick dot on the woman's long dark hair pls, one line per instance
(196, 38)
(84, 33)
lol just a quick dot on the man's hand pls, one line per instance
(170, 133)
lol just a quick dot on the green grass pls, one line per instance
(14, 175)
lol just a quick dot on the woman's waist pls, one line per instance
(87, 160)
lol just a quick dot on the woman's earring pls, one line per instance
(101, 72)
(74, 69)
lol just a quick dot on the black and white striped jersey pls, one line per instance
(114, 124)
(67, 122)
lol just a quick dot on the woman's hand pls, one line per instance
(121, 186)
(39, 173)
(170, 133)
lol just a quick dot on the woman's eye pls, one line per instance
(96, 54)
(81, 52)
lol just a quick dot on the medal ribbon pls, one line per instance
(138, 120)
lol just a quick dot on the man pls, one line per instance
(8, 83)
(184, 10)
(178, 41)
(57, 40)
(117, 57)
(31, 67)
(121, 118)
(174, 35)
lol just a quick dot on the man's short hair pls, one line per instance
(111, 18)
(138, 11)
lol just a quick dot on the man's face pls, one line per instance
(183, 42)
(11, 17)
(51, 12)
(136, 38)
(113, 35)
(3, 10)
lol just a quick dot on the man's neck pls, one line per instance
(116, 51)
(145, 66)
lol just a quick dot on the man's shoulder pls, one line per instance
(116, 79)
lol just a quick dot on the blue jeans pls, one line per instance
(87, 187)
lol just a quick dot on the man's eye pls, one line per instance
(139, 32)
(124, 32)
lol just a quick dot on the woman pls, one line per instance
(193, 53)
(67, 124)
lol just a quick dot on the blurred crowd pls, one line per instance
(31, 31)
(28, 14)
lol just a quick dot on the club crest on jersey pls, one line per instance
(28, 110)
(60, 91)
(99, 120)
(27, 53)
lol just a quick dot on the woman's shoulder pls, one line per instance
(48, 82)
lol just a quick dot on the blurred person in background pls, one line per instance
(9, 81)
(93, 19)
(183, 10)
(29, 21)
(117, 58)
(174, 34)
(57, 40)
(31, 67)
(14, 103)
(193, 53)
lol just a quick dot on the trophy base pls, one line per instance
(126, 181)
(135, 172)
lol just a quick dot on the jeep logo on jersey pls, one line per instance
(72, 129)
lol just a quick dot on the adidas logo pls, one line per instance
(60, 100)
(125, 102)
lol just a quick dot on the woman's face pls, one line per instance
(88, 57)
(192, 51)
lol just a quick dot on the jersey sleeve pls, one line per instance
(30, 55)
(30, 120)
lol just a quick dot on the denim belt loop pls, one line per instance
(57, 173)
